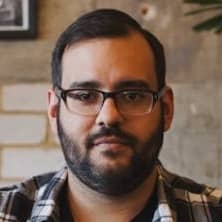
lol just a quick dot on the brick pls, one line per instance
(26, 162)
(25, 97)
(22, 129)
(6, 183)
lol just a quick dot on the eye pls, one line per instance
(84, 96)
(134, 96)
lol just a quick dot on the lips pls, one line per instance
(109, 140)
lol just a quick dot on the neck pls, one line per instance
(89, 205)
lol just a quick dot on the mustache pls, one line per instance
(127, 138)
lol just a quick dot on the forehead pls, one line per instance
(109, 61)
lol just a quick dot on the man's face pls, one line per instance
(93, 145)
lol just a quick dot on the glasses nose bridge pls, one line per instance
(107, 95)
(109, 113)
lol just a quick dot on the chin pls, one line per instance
(111, 161)
(112, 166)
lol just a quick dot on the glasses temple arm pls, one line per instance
(161, 92)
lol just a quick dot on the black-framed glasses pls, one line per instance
(88, 102)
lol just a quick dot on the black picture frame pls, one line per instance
(18, 19)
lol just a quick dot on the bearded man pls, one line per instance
(110, 106)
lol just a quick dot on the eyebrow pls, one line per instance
(85, 84)
(126, 84)
(132, 84)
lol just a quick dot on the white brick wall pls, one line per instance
(25, 97)
(27, 162)
(27, 146)
(22, 128)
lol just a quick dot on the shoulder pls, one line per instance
(186, 187)
(28, 187)
(191, 199)
(16, 201)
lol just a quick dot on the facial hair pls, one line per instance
(118, 182)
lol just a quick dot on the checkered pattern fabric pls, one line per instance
(179, 199)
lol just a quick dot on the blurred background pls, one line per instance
(193, 146)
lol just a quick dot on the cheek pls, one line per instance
(144, 126)
(76, 126)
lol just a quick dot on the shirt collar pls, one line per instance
(164, 212)
(46, 206)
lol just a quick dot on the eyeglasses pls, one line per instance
(90, 101)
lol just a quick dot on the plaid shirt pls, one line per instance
(179, 199)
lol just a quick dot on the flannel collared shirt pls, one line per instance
(179, 199)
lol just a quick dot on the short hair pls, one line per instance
(108, 23)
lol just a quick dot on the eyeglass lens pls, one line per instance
(89, 102)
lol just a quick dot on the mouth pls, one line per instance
(112, 147)
(109, 141)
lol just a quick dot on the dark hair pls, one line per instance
(108, 23)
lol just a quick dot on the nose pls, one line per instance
(109, 114)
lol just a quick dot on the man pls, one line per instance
(110, 106)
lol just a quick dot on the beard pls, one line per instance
(116, 182)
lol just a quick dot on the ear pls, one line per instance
(52, 109)
(168, 107)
